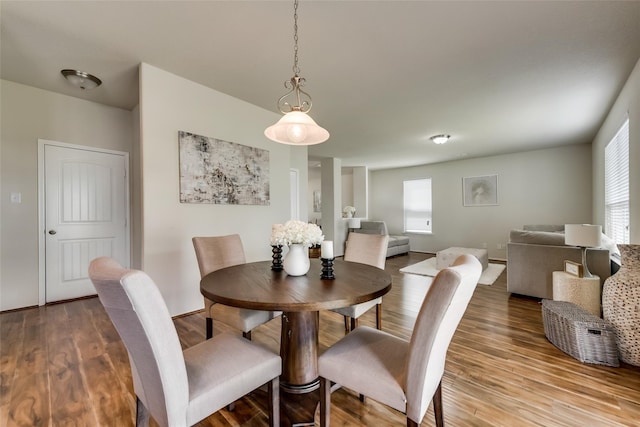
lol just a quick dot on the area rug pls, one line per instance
(428, 268)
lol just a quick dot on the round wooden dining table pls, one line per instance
(255, 286)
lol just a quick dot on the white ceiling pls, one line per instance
(384, 75)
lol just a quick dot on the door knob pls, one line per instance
(52, 232)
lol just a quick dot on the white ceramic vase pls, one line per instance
(296, 261)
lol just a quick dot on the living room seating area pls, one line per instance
(536, 251)
(397, 245)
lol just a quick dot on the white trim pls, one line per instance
(41, 205)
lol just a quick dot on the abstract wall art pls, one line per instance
(222, 172)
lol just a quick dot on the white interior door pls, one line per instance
(86, 205)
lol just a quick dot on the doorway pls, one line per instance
(84, 213)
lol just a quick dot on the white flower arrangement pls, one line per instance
(349, 210)
(296, 232)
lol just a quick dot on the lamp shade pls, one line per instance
(583, 235)
(354, 222)
(297, 128)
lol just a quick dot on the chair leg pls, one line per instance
(274, 402)
(247, 335)
(354, 323)
(346, 324)
(437, 406)
(325, 402)
(142, 414)
(209, 324)
(379, 316)
(411, 423)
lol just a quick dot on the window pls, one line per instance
(417, 206)
(616, 186)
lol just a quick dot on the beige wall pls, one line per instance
(628, 102)
(551, 186)
(29, 114)
(168, 104)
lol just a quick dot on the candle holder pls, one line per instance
(276, 251)
(327, 269)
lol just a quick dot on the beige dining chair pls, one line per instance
(404, 375)
(370, 249)
(214, 253)
(173, 387)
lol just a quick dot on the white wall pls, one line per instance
(333, 226)
(136, 194)
(168, 104)
(347, 188)
(361, 191)
(299, 161)
(551, 186)
(29, 114)
(627, 102)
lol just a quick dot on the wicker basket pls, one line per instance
(579, 333)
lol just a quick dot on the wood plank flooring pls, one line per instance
(64, 365)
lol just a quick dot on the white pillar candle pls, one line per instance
(326, 249)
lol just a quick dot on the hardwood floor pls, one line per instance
(64, 365)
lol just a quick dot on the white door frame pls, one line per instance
(42, 204)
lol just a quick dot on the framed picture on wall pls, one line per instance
(222, 172)
(317, 206)
(480, 190)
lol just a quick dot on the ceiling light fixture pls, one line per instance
(296, 127)
(440, 139)
(81, 79)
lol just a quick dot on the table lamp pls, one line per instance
(584, 236)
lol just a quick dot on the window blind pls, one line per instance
(616, 186)
(417, 206)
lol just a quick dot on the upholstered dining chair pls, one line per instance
(403, 375)
(214, 253)
(368, 249)
(178, 388)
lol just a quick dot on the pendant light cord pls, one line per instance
(296, 127)
(296, 69)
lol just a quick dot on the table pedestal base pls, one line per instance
(300, 389)
(299, 380)
(299, 351)
(295, 409)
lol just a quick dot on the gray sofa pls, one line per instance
(535, 252)
(397, 244)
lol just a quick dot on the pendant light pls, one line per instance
(296, 127)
